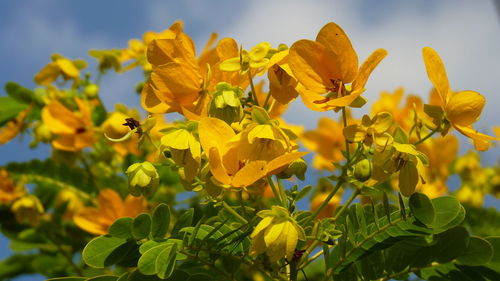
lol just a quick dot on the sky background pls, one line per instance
(466, 34)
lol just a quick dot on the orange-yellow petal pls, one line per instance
(252, 172)
(436, 72)
(464, 108)
(367, 68)
(334, 39)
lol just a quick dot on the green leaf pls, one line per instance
(495, 243)
(184, 220)
(422, 208)
(99, 251)
(141, 226)
(147, 262)
(98, 115)
(446, 210)
(138, 276)
(478, 252)
(303, 192)
(122, 228)
(103, 278)
(160, 222)
(165, 261)
(123, 277)
(21, 94)
(10, 109)
(451, 244)
(67, 279)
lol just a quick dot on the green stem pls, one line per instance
(252, 87)
(294, 272)
(66, 255)
(234, 213)
(328, 198)
(268, 98)
(282, 192)
(344, 118)
(347, 203)
(428, 136)
(275, 191)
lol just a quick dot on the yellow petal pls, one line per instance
(345, 100)
(436, 72)
(367, 68)
(334, 39)
(281, 162)
(291, 240)
(68, 67)
(382, 122)
(464, 108)
(177, 139)
(354, 134)
(181, 49)
(179, 82)
(273, 233)
(59, 119)
(252, 172)
(214, 132)
(314, 66)
(263, 224)
(150, 100)
(232, 64)
(216, 167)
(48, 74)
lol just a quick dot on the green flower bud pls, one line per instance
(363, 170)
(297, 168)
(42, 133)
(260, 115)
(91, 91)
(142, 179)
(225, 103)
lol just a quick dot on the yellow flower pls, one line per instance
(441, 152)
(137, 49)
(276, 234)
(402, 158)
(182, 143)
(371, 131)
(110, 207)
(9, 191)
(114, 128)
(143, 179)
(390, 102)
(60, 67)
(14, 126)
(72, 201)
(180, 82)
(222, 145)
(327, 65)
(28, 210)
(461, 109)
(471, 196)
(256, 59)
(327, 141)
(73, 130)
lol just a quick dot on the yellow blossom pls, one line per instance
(327, 141)
(461, 109)
(391, 102)
(9, 191)
(60, 67)
(255, 58)
(371, 130)
(28, 210)
(276, 234)
(114, 128)
(221, 145)
(110, 207)
(327, 65)
(471, 196)
(72, 201)
(73, 130)
(14, 126)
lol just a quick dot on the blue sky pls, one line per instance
(465, 33)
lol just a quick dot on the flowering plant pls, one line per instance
(111, 203)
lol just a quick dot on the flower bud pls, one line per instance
(297, 168)
(225, 103)
(42, 133)
(363, 170)
(71, 200)
(90, 91)
(142, 179)
(28, 210)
